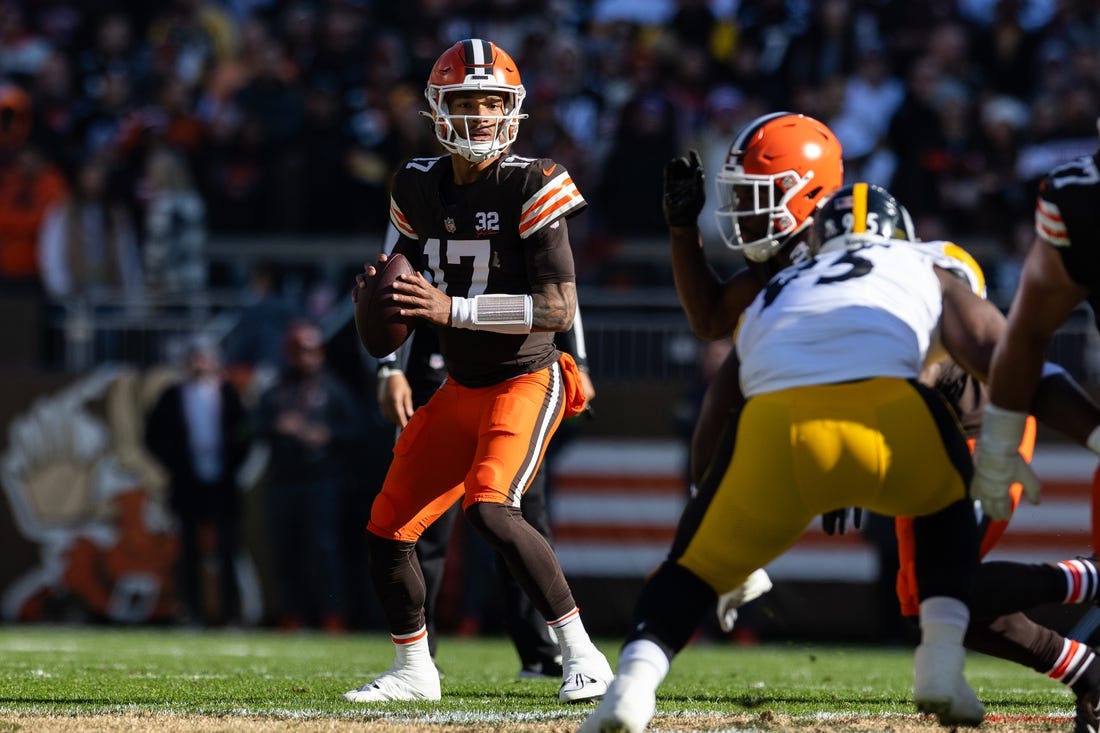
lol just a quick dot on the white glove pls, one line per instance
(756, 585)
(998, 463)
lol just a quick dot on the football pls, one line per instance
(381, 328)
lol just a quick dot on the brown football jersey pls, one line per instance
(501, 234)
(1067, 217)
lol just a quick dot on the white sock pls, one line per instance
(943, 620)
(643, 663)
(571, 635)
(411, 650)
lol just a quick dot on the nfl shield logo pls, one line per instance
(449, 224)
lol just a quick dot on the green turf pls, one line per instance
(60, 670)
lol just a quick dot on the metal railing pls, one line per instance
(630, 335)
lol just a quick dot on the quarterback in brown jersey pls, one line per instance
(486, 232)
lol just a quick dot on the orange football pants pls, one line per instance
(908, 598)
(481, 444)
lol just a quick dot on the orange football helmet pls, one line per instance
(474, 65)
(779, 167)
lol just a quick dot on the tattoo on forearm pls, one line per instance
(554, 308)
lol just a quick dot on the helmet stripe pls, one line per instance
(753, 127)
(859, 208)
(478, 55)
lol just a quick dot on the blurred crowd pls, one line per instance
(163, 122)
(131, 132)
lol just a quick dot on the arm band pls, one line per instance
(499, 312)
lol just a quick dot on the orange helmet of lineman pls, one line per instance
(779, 167)
(474, 65)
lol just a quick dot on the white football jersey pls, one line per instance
(868, 309)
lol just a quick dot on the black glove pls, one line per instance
(683, 196)
(836, 521)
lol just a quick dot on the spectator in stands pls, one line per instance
(915, 136)
(256, 342)
(175, 227)
(188, 37)
(646, 138)
(310, 421)
(197, 75)
(271, 108)
(22, 49)
(59, 110)
(88, 243)
(29, 185)
(113, 47)
(199, 431)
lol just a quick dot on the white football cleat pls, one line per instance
(939, 687)
(626, 708)
(400, 685)
(585, 677)
(757, 584)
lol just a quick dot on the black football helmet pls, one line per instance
(861, 209)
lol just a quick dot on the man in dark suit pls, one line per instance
(199, 431)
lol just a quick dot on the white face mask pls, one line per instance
(448, 126)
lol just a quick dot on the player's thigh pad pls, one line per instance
(518, 419)
(430, 458)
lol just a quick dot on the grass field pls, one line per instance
(88, 679)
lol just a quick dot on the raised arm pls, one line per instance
(712, 306)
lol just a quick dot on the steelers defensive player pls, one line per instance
(820, 427)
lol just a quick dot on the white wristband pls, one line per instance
(499, 312)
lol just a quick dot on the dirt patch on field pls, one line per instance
(764, 721)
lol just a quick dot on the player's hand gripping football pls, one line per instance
(419, 298)
(369, 271)
(683, 197)
(998, 463)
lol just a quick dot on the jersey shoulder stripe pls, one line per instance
(399, 220)
(555, 199)
(956, 260)
(966, 267)
(1049, 224)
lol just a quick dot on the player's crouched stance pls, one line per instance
(820, 430)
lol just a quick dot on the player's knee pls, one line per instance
(496, 523)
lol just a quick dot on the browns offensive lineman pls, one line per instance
(1061, 271)
(490, 231)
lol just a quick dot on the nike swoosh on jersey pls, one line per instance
(550, 170)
